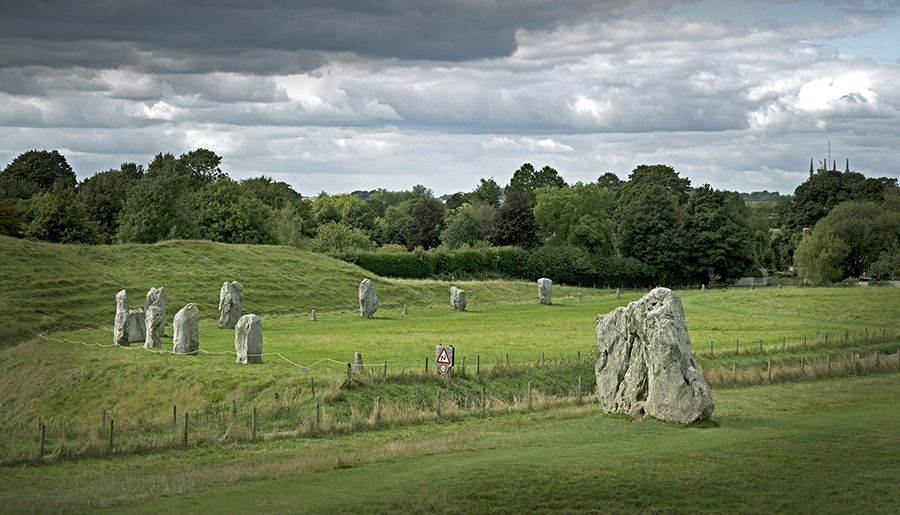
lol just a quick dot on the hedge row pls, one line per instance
(563, 264)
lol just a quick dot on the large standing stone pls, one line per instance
(186, 337)
(120, 327)
(157, 297)
(231, 298)
(153, 336)
(646, 364)
(248, 339)
(135, 327)
(544, 285)
(356, 365)
(457, 298)
(368, 299)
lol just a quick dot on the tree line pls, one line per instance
(671, 232)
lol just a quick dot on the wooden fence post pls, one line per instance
(175, 415)
(770, 369)
(377, 410)
(579, 390)
(477, 364)
(318, 417)
(43, 439)
(507, 361)
(385, 368)
(482, 400)
(529, 395)
(312, 387)
(184, 439)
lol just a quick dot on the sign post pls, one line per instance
(443, 357)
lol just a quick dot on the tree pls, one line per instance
(60, 218)
(514, 222)
(717, 234)
(104, 196)
(650, 219)
(131, 172)
(12, 217)
(396, 222)
(469, 224)
(227, 214)
(488, 192)
(202, 166)
(822, 258)
(294, 225)
(426, 224)
(35, 171)
(865, 230)
(273, 193)
(527, 180)
(160, 206)
(610, 181)
(578, 215)
(454, 201)
(337, 237)
(820, 194)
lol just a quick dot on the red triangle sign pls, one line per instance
(443, 358)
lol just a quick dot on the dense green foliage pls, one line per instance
(677, 234)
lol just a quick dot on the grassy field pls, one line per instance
(797, 443)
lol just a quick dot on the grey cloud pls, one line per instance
(250, 36)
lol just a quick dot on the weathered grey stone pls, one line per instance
(186, 329)
(135, 327)
(702, 287)
(457, 298)
(617, 294)
(152, 315)
(579, 297)
(645, 357)
(779, 286)
(544, 286)
(368, 299)
(231, 298)
(356, 365)
(248, 340)
(120, 327)
(312, 316)
(157, 297)
(405, 310)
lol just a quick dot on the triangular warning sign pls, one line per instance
(443, 358)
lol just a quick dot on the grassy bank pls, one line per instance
(816, 447)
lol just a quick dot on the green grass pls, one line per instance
(819, 447)
(769, 448)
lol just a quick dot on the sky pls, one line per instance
(342, 95)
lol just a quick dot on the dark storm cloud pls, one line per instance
(274, 37)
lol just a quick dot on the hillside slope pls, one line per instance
(48, 286)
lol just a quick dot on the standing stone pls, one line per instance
(135, 327)
(248, 340)
(457, 298)
(312, 316)
(120, 328)
(646, 365)
(702, 287)
(368, 299)
(231, 298)
(157, 297)
(356, 365)
(544, 285)
(152, 316)
(617, 294)
(405, 310)
(186, 338)
(779, 286)
(579, 297)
